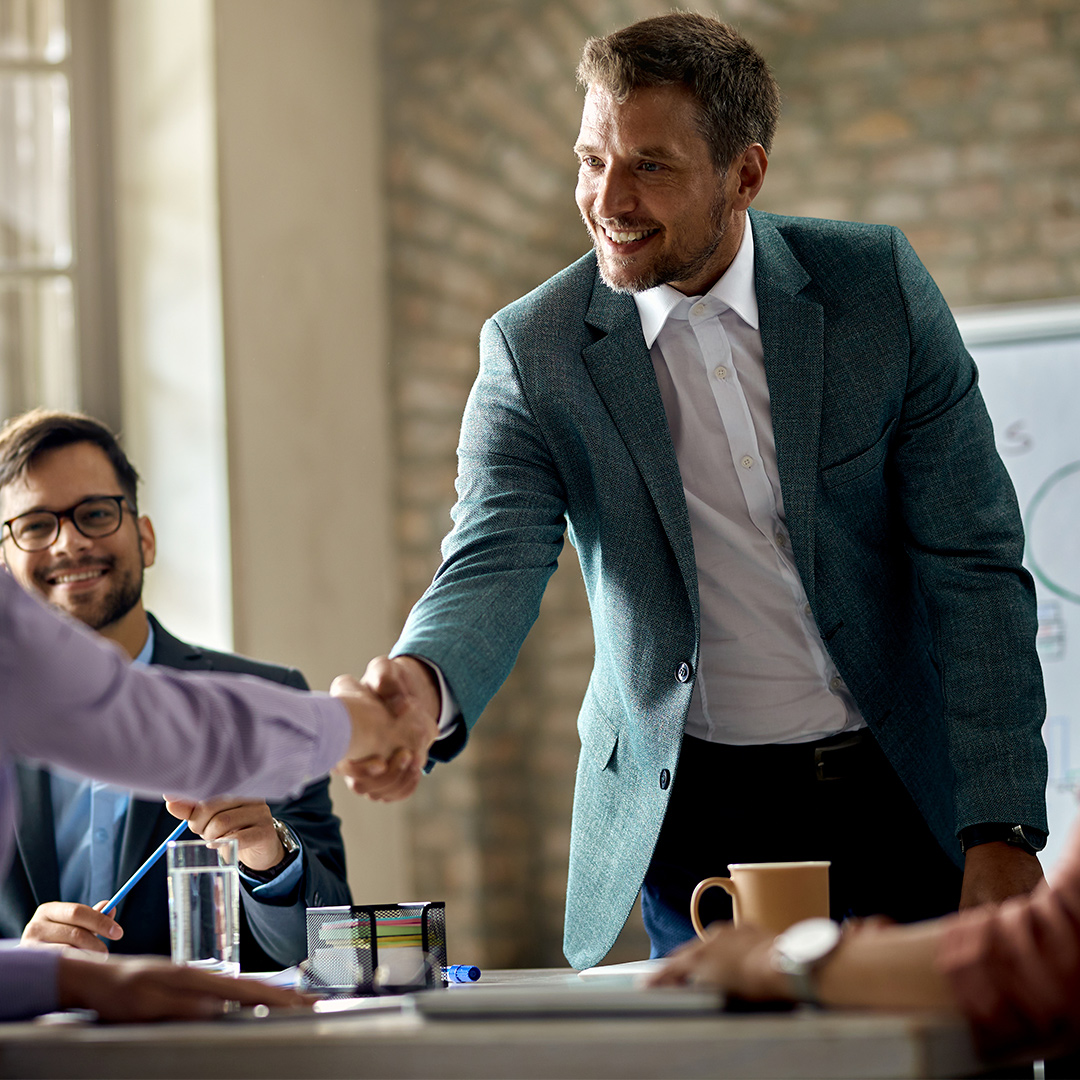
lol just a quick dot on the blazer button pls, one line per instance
(682, 672)
(665, 779)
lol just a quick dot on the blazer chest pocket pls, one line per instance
(868, 460)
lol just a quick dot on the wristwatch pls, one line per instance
(799, 950)
(1022, 836)
(292, 849)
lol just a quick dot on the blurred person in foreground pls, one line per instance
(1013, 969)
(814, 634)
(72, 534)
(74, 700)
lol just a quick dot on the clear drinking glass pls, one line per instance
(204, 904)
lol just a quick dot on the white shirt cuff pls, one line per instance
(449, 712)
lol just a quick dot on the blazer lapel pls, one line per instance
(622, 372)
(35, 834)
(140, 838)
(792, 336)
(172, 652)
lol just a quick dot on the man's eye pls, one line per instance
(31, 527)
(591, 162)
(649, 166)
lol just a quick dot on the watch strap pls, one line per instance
(292, 850)
(1024, 837)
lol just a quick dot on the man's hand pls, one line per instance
(247, 821)
(734, 959)
(121, 990)
(993, 872)
(407, 694)
(58, 924)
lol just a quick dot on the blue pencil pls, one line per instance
(137, 876)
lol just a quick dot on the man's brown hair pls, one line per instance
(25, 437)
(738, 99)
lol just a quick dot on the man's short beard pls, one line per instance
(117, 604)
(668, 269)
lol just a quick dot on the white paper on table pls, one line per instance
(634, 967)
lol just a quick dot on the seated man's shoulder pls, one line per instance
(172, 652)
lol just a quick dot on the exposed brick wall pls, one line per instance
(958, 120)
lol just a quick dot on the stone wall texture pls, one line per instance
(957, 120)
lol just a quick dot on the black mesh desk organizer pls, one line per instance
(378, 949)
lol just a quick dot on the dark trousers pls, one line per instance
(838, 799)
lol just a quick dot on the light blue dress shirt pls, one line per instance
(89, 818)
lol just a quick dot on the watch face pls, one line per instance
(808, 941)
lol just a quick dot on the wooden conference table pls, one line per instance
(804, 1043)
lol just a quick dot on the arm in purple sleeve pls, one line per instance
(73, 700)
(27, 981)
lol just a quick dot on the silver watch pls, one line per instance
(292, 849)
(800, 949)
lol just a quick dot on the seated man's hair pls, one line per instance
(23, 438)
(738, 99)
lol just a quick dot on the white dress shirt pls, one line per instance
(764, 675)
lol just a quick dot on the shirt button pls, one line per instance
(665, 779)
(781, 540)
(698, 309)
(721, 372)
(682, 672)
(836, 682)
(100, 836)
(747, 462)
(807, 609)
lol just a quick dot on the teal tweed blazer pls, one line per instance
(903, 523)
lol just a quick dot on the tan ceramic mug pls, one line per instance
(771, 895)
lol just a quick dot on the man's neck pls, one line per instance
(130, 631)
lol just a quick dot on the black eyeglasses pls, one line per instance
(94, 518)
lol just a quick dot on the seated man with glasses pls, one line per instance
(72, 534)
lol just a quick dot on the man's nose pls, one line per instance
(69, 540)
(615, 195)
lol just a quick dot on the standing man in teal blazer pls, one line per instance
(814, 636)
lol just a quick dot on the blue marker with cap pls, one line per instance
(461, 973)
(140, 873)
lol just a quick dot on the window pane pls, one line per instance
(37, 345)
(33, 30)
(35, 163)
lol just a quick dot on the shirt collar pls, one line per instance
(147, 650)
(735, 290)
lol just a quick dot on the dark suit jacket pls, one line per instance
(273, 933)
(903, 524)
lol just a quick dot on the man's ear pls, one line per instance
(750, 168)
(147, 541)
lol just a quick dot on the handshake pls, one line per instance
(395, 712)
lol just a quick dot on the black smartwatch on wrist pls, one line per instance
(1024, 837)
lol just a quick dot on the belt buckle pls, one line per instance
(821, 753)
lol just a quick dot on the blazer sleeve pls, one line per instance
(509, 523)
(965, 539)
(1015, 967)
(279, 926)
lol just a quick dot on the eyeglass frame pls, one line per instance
(121, 501)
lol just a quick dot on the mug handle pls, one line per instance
(724, 883)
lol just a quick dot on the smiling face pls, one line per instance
(97, 580)
(657, 208)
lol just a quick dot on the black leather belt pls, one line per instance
(836, 757)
